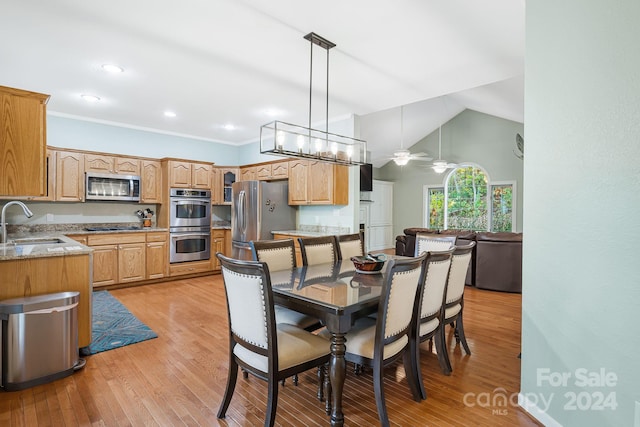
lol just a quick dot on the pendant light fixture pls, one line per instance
(290, 140)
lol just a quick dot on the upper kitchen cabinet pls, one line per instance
(69, 170)
(318, 183)
(151, 177)
(224, 177)
(110, 164)
(22, 142)
(247, 173)
(272, 171)
(185, 174)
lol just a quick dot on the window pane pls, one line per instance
(501, 207)
(436, 208)
(467, 199)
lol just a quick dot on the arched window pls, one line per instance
(469, 200)
(466, 199)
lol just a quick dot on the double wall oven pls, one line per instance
(189, 225)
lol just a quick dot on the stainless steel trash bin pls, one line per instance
(39, 339)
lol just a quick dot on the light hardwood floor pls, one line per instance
(179, 377)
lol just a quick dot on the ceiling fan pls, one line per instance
(441, 165)
(401, 157)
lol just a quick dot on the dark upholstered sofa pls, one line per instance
(496, 261)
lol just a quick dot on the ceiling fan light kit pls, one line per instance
(290, 140)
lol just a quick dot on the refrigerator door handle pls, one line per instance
(242, 215)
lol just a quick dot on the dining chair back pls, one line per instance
(454, 299)
(261, 347)
(350, 245)
(380, 342)
(318, 250)
(429, 242)
(280, 256)
(428, 315)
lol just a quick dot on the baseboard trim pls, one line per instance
(537, 413)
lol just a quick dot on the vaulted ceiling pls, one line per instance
(245, 63)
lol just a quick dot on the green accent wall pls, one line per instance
(469, 137)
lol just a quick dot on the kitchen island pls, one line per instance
(48, 263)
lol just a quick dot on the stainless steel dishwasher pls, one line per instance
(39, 337)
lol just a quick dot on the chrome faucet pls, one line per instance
(27, 212)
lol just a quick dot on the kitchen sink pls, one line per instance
(38, 241)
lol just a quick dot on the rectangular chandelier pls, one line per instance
(289, 140)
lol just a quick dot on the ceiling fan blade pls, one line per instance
(423, 159)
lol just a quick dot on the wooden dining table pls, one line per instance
(338, 295)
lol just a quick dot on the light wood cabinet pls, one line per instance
(263, 172)
(39, 276)
(69, 170)
(50, 167)
(83, 239)
(157, 255)
(103, 163)
(280, 170)
(23, 142)
(105, 265)
(318, 183)
(131, 262)
(216, 186)
(151, 177)
(247, 173)
(183, 174)
(192, 267)
(218, 244)
(225, 177)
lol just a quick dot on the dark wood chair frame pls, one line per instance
(439, 237)
(274, 375)
(456, 320)
(350, 237)
(312, 241)
(377, 363)
(431, 257)
(259, 245)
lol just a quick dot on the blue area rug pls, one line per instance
(114, 326)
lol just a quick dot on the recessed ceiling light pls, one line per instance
(229, 126)
(169, 114)
(112, 68)
(90, 98)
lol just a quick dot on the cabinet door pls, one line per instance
(298, 182)
(151, 176)
(217, 245)
(131, 262)
(105, 265)
(98, 163)
(280, 170)
(69, 186)
(127, 166)
(23, 142)
(263, 172)
(201, 176)
(229, 176)
(50, 164)
(247, 174)
(156, 259)
(179, 174)
(320, 183)
(216, 187)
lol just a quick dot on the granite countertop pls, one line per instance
(304, 233)
(41, 245)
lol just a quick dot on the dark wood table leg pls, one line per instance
(337, 371)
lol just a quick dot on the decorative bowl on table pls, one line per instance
(368, 264)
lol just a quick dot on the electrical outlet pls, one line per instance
(49, 217)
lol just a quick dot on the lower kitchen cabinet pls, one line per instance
(217, 245)
(118, 258)
(105, 265)
(131, 262)
(156, 254)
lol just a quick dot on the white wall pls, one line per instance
(581, 281)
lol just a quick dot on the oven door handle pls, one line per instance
(190, 202)
(175, 236)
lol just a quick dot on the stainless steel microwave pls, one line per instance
(103, 186)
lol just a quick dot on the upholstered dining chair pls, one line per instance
(426, 242)
(428, 320)
(280, 255)
(454, 298)
(378, 343)
(350, 245)
(261, 347)
(318, 250)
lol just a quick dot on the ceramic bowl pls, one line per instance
(367, 265)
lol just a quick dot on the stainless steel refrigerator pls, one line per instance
(257, 208)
